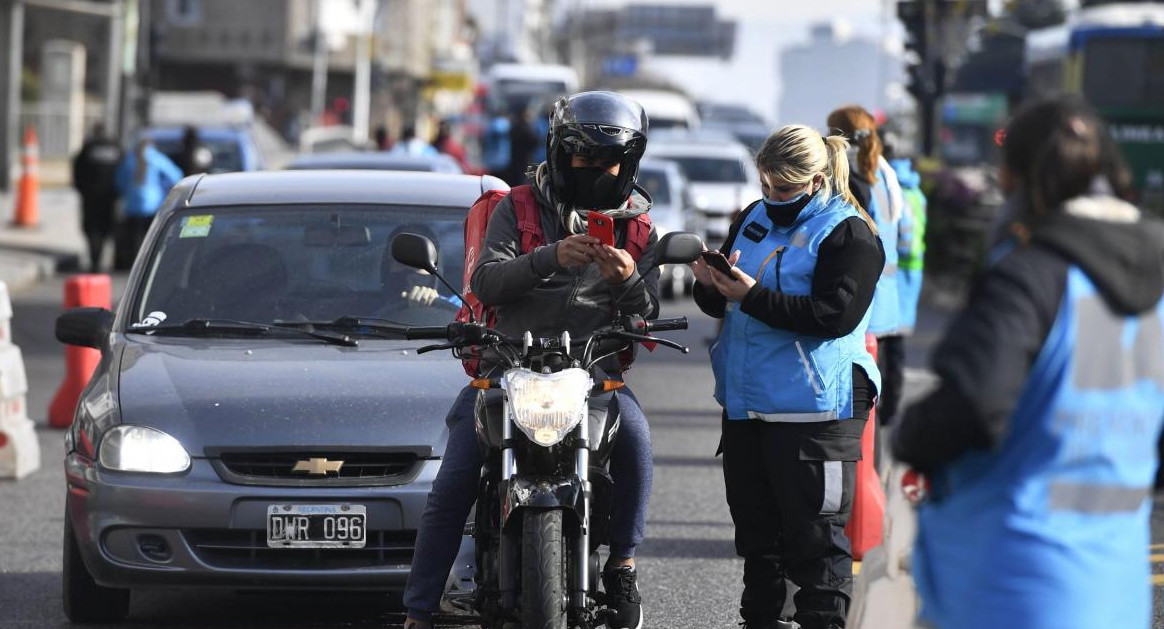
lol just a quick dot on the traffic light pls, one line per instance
(912, 14)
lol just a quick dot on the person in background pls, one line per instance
(143, 179)
(1040, 439)
(93, 178)
(195, 157)
(409, 144)
(911, 248)
(876, 187)
(793, 376)
(444, 142)
(522, 144)
(382, 139)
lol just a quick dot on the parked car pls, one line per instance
(671, 211)
(232, 148)
(248, 427)
(722, 176)
(376, 160)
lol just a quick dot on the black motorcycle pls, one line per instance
(548, 425)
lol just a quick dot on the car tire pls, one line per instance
(666, 291)
(84, 600)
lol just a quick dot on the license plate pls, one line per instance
(317, 526)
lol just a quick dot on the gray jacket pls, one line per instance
(533, 292)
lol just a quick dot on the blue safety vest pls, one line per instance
(1049, 530)
(883, 318)
(767, 373)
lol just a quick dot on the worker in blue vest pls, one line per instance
(793, 376)
(1040, 441)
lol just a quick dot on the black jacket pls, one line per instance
(849, 262)
(988, 350)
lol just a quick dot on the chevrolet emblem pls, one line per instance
(318, 467)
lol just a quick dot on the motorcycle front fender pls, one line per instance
(524, 492)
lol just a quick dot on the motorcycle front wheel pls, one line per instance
(543, 570)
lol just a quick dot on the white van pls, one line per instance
(666, 110)
(516, 85)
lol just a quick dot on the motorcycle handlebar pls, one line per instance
(427, 332)
(665, 325)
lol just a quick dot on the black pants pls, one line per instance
(790, 491)
(97, 224)
(129, 241)
(891, 361)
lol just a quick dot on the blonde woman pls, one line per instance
(793, 376)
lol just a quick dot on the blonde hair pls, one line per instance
(798, 153)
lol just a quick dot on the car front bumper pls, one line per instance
(193, 529)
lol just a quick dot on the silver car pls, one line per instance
(254, 422)
(671, 211)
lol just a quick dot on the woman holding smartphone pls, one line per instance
(793, 375)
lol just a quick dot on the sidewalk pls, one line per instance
(56, 244)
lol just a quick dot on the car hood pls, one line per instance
(214, 393)
(723, 198)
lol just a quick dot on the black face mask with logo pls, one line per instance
(593, 189)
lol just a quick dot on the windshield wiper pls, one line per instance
(362, 325)
(230, 325)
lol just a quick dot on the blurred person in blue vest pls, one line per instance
(911, 248)
(1040, 440)
(793, 376)
(875, 186)
(143, 178)
(412, 145)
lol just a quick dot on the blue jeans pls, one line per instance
(455, 490)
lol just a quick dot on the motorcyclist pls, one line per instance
(570, 284)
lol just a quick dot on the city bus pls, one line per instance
(1113, 55)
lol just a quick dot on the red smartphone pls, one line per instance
(717, 261)
(600, 226)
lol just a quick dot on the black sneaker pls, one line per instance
(622, 598)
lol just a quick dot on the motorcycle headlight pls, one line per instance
(547, 406)
(142, 449)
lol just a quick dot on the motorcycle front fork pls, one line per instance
(580, 543)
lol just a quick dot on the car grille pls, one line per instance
(359, 468)
(247, 549)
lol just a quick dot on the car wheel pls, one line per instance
(666, 291)
(84, 600)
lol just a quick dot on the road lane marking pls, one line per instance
(1158, 579)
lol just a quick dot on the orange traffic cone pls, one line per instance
(866, 525)
(26, 202)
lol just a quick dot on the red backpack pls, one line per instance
(529, 225)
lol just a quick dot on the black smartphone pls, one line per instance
(717, 261)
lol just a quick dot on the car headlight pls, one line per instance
(142, 449)
(547, 406)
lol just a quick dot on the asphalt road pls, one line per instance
(688, 573)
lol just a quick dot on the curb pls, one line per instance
(22, 268)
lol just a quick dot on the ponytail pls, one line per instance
(838, 176)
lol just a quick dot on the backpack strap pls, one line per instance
(529, 219)
(638, 234)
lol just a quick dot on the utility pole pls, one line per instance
(11, 29)
(361, 98)
(319, 68)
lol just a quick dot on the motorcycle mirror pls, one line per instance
(415, 251)
(679, 248)
(419, 252)
(673, 248)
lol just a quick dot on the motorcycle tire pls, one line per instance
(543, 573)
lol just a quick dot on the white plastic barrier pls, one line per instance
(19, 449)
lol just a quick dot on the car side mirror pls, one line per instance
(415, 251)
(679, 248)
(86, 327)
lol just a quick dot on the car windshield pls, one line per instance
(711, 170)
(655, 183)
(297, 263)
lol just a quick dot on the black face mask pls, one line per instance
(784, 212)
(592, 189)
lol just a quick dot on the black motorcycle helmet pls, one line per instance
(596, 124)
